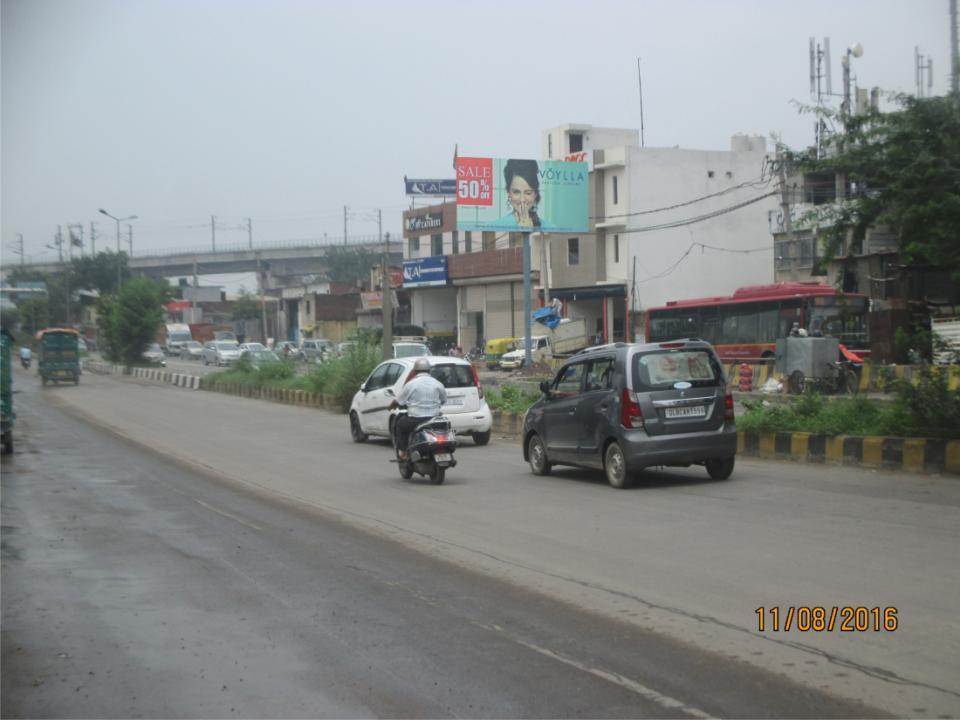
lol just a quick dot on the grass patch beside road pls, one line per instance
(340, 377)
(511, 399)
(928, 409)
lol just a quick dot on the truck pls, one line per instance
(946, 333)
(567, 336)
(177, 334)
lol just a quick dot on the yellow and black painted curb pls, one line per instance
(919, 455)
(873, 378)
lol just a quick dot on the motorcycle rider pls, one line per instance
(423, 395)
(25, 355)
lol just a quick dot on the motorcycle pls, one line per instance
(25, 361)
(430, 449)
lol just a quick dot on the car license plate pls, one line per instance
(686, 412)
(443, 457)
(455, 401)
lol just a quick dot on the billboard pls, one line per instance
(515, 195)
(420, 223)
(424, 272)
(433, 188)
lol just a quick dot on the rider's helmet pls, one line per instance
(421, 365)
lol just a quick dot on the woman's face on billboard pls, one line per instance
(522, 196)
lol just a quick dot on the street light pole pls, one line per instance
(119, 220)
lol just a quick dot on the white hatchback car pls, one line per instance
(468, 412)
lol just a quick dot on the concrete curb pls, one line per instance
(873, 378)
(285, 396)
(189, 382)
(920, 455)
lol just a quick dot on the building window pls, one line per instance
(468, 241)
(616, 248)
(550, 146)
(414, 246)
(573, 251)
(576, 142)
(489, 240)
(436, 244)
(616, 194)
(456, 242)
(308, 308)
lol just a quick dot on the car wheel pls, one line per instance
(720, 469)
(615, 466)
(537, 454)
(481, 438)
(356, 432)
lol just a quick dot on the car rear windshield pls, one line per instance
(453, 376)
(226, 346)
(661, 369)
(402, 351)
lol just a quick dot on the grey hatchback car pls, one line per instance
(624, 407)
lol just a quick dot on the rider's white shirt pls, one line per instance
(423, 396)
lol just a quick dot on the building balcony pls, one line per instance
(615, 157)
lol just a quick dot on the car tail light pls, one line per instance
(476, 380)
(728, 407)
(630, 414)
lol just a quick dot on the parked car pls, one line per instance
(466, 407)
(316, 349)
(191, 350)
(345, 347)
(410, 349)
(624, 407)
(288, 349)
(220, 353)
(154, 354)
(252, 346)
(259, 358)
(515, 359)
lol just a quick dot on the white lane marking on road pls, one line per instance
(645, 692)
(227, 515)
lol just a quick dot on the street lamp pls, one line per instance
(119, 220)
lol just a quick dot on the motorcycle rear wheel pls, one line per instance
(438, 475)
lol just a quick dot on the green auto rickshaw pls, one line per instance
(59, 359)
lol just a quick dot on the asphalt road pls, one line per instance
(279, 570)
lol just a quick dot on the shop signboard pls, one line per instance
(516, 195)
(430, 188)
(425, 272)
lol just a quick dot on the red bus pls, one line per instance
(746, 325)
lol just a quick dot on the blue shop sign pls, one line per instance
(424, 272)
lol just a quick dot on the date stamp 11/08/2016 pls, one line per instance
(810, 618)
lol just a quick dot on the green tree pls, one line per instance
(34, 314)
(99, 272)
(129, 321)
(245, 307)
(348, 264)
(904, 167)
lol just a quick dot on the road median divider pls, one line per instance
(183, 380)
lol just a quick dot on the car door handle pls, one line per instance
(602, 409)
(571, 411)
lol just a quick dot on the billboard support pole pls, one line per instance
(527, 357)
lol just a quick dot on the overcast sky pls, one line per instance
(286, 111)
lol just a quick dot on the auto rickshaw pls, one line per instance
(496, 348)
(59, 359)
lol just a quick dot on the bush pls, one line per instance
(929, 408)
(510, 398)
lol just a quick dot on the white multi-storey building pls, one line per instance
(632, 258)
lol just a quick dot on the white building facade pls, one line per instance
(666, 224)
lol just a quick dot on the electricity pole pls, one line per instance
(130, 239)
(386, 292)
(60, 243)
(250, 234)
(93, 238)
(263, 307)
(344, 224)
(527, 355)
(213, 232)
(20, 250)
(193, 297)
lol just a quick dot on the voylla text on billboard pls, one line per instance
(517, 195)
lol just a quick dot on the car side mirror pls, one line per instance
(545, 388)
